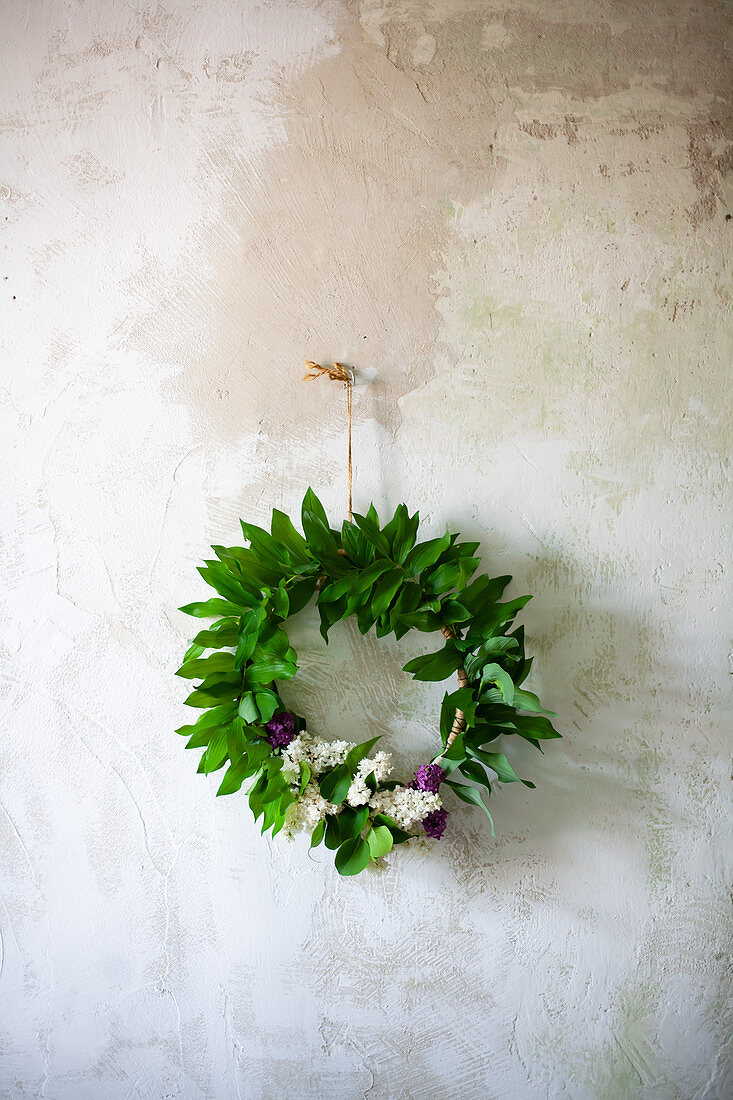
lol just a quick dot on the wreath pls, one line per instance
(343, 792)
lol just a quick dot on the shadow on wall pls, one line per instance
(595, 666)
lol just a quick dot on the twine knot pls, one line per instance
(337, 373)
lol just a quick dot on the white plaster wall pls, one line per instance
(510, 218)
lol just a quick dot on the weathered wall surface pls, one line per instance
(510, 217)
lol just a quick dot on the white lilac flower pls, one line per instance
(328, 754)
(380, 764)
(298, 750)
(321, 756)
(406, 806)
(310, 808)
(358, 793)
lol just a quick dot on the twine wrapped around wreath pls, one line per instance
(339, 373)
(459, 722)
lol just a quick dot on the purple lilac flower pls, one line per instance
(428, 777)
(281, 729)
(434, 823)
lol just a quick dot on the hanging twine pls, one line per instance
(337, 373)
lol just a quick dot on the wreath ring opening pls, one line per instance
(344, 793)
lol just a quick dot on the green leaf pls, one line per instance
(358, 753)
(283, 530)
(379, 840)
(357, 546)
(386, 590)
(236, 740)
(435, 666)
(201, 739)
(405, 534)
(333, 838)
(271, 795)
(266, 669)
(329, 614)
(245, 648)
(220, 682)
(483, 591)
(212, 607)
(249, 627)
(352, 857)
(470, 795)
(472, 770)
(399, 836)
(234, 777)
(252, 571)
(280, 602)
(257, 753)
(312, 504)
(274, 642)
(444, 577)
(267, 549)
(221, 633)
(384, 625)
(211, 695)
(392, 527)
(319, 535)
(248, 709)
(218, 716)
(527, 700)
(334, 785)
(495, 674)
(352, 821)
(218, 576)
(216, 753)
(192, 653)
(483, 732)
(365, 618)
(305, 776)
(498, 763)
(370, 529)
(267, 704)
(409, 599)
(427, 621)
(317, 834)
(338, 589)
(534, 726)
(367, 577)
(301, 593)
(425, 554)
(485, 623)
(203, 666)
(453, 611)
(454, 755)
(400, 532)
(493, 647)
(255, 793)
(465, 550)
(521, 672)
